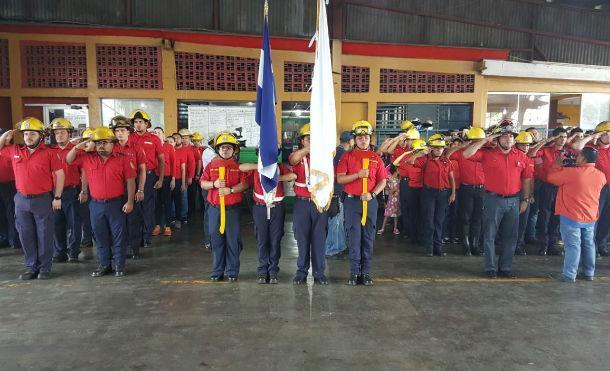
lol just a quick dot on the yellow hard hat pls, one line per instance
(225, 138)
(139, 114)
(121, 122)
(305, 130)
(61, 123)
(87, 133)
(197, 136)
(437, 140)
(102, 133)
(602, 126)
(524, 138)
(418, 144)
(412, 133)
(184, 132)
(31, 124)
(362, 127)
(475, 133)
(406, 125)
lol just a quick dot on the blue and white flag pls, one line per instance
(265, 118)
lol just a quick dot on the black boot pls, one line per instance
(466, 246)
(474, 247)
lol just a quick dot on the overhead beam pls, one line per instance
(545, 70)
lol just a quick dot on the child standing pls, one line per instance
(392, 207)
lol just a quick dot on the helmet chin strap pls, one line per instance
(501, 146)
(34, 146)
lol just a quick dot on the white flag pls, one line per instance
(323, 119)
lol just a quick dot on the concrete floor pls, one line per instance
(422, 313)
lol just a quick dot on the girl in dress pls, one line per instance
(392, 207)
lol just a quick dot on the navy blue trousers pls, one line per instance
(433, 210)
(309, 227)
(360, 238)
(7, 205)
(148, 205)
(225, 247)
(35, 225)
(109, 227)
(269, 235)
(68, 226)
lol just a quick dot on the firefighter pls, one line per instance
(7, 203)
(309, 224)
(68, 227)
(153, 149)
(268, 214)
(470, 194)
(193, 171)
(123, 129)
(39, 179)
(163, 203)
(87, 235)
(110, 174)
(507, 193)
(544, 158)
(437, 194)
(364, 175)
(225, 183)
(523, 141)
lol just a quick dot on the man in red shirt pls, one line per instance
(7, 203)
(109, 173)
(125, 145)
(182, 156)
(153, 149)
(226, 245)
(523, 140)
(351, 171)
(163, 204)
(600, 140)
(578, 209)
(38, 174)
(193, 172)
(438, 192)
(544, 158)
(507, 175)
(68, 226)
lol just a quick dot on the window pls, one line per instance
(113, 107)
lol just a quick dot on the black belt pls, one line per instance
(150, 171)
(502, 196)
(437, 189)
(107, 200)
(351, 196)
(276, 203)
(475, 186)
(405, 178)
(34, 196)
(308, 199)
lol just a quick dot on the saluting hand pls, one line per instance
(128, 207)
(492, 137)
(80, 142)
(7, 137)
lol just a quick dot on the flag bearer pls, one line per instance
(268, 222)
(68, 226)
(122, 129)
(364, 175)
(225, 184)
(309, 225)
(437, 194)
(155, 160)
(109, 174)
(39, 179)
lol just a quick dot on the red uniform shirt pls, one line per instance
(416, 177)
(232, 178)
(471, 172)
(545, 160)
(72, 172)
(351, 163)
(404, 168)
(603, 161)
(33, 171)
(151, 144)
(168, 158)
(457, 172)
(435, 171)
(180, 157)
(189, 159)
(133, 151)
(106, 179)
(6, 169)
(503, 173)
(258, 188)
(302, 171)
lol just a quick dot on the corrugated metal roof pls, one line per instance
(107, 12)
(189, 14)
(566, 51)
(286, 17)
